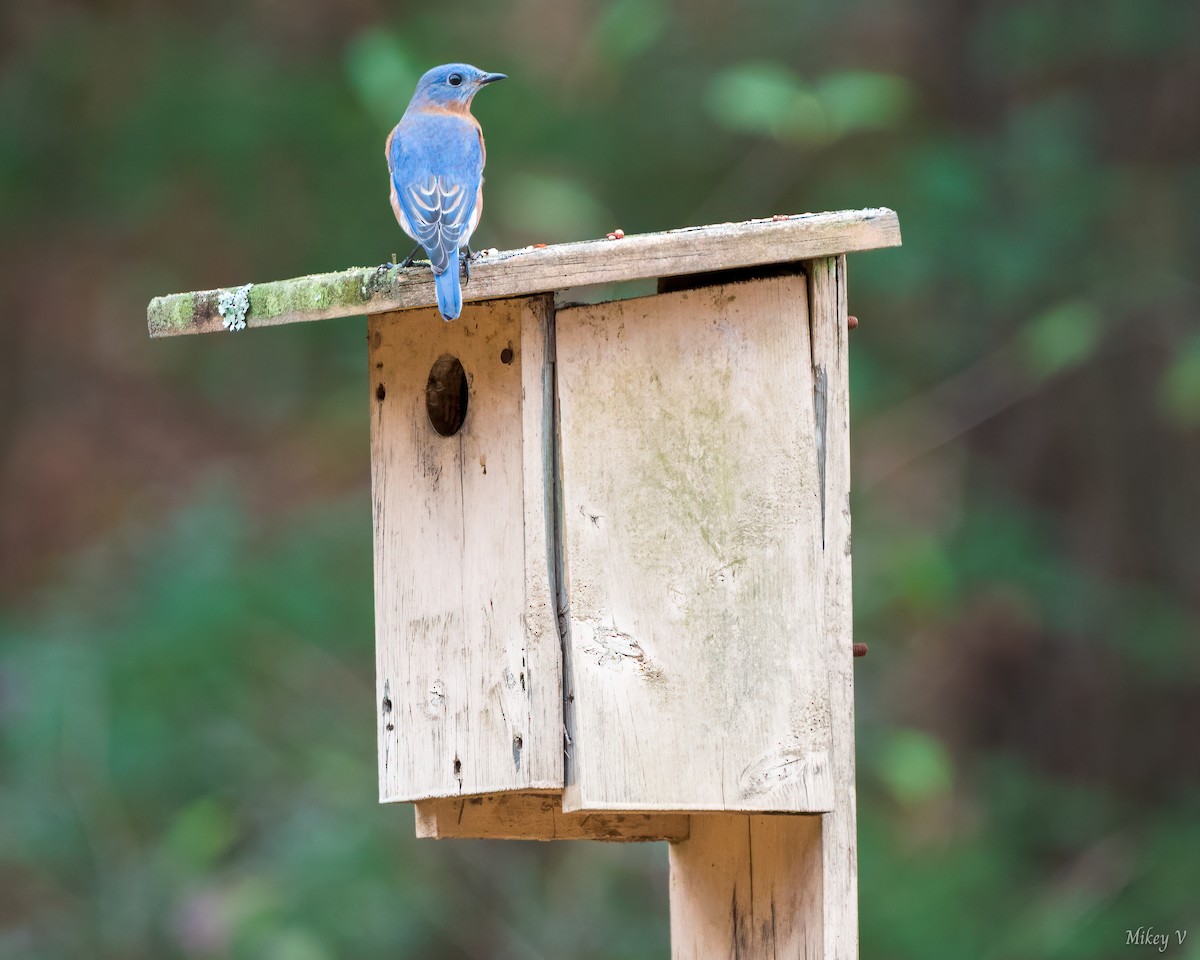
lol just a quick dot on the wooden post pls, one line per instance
(735, 876)
(613, 557)
(747, 886)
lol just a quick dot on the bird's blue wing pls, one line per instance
(438, 209)
(437, 168)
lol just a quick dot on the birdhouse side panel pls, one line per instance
(467, 656)
(697, 676)
(831, 364)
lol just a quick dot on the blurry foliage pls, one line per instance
(186, 741)
(197, 772)
(768, 99)
(1063, 336)
(627, 28)
(553, 207)
(1181, 384)
(378, 65)
(914, 766)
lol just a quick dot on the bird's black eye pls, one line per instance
(455, 79)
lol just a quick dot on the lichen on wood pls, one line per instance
(233, 305)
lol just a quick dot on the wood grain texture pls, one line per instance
(468, 656)
(747, 886)
(831, 368)
(696, 673)
(514, 273)
(538, 816)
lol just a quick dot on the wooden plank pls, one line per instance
(695, 665)
(541, 672)
(538, 816)
(831, 368)
(513, 273)
(747, 886)
(468, 658)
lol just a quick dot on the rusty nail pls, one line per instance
(860, 649)
(852, 322)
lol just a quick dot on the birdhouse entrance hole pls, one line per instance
(446, 395)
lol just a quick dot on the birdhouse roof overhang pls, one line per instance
(513, 273)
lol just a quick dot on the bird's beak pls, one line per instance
(492, 78)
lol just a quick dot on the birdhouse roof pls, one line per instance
(535, 269)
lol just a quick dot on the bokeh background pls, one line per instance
(186, 693)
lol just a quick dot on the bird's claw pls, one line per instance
(408, 261)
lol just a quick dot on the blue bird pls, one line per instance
(435, 156)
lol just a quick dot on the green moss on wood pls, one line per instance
(170, 314)
(324, 292)
(319, 292)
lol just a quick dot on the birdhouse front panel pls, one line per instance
(468, 655)
(697, 673)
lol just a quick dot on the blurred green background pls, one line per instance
(186, 666)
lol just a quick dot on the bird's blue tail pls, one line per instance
(449, 291)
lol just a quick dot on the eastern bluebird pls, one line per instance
(435, 156)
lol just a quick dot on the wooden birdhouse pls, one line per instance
(612, 556)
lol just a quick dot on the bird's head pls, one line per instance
(452, 85)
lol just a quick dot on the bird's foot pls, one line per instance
(408, 261)
(404, 264)
(464, 264)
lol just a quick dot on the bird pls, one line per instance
(435, 158)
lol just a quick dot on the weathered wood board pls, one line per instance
(831, 366)
(747, 886)
(539, 816)
(512, 273)
(697, 669)
(468, 656)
